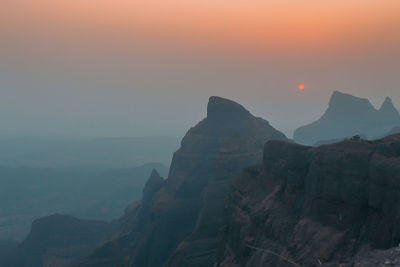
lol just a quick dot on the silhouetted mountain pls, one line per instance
(347, 116)
(59, 241)
(27, 194)
(388, 111)
(313, 206)
(179, 222)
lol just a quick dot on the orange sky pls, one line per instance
(254, 22)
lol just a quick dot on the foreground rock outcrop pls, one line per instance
(57, 240)
(177, 224)
(347, 116)
(310, 206)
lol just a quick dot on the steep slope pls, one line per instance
(58, 240)
(186, 212)
(347, 116)
(312, 206)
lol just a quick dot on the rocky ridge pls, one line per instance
(330, 205)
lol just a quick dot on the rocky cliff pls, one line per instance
(347, 116)
(177, 224)
(308, 206)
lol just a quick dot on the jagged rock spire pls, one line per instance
(388, 108)
(152, 185)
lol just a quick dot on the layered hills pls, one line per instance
(27, 194)
(239, 193)
(58, 240)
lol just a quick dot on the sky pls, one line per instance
(110, 68)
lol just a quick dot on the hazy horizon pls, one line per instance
(125, 132)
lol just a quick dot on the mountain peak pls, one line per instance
(337, 95)
(154, 174)
(388, 107)
(154, 179)
(219, 108)
(340, 94)
(339, 98)
(388, 100)
(152, 185)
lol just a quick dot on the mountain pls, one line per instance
(388, 111)
(58, 240)
(332, 205)
(347, 116)
(177, 221)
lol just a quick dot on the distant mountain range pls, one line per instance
(58, 240)
(347, 116)
(30, 193)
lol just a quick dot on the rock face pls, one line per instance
(58, 240)
(314, 206)
(179, 222)
(347, 116)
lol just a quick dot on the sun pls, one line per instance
(302, 87)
